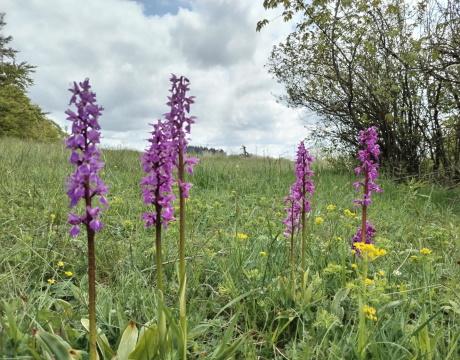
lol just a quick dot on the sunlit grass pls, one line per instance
(235, 250)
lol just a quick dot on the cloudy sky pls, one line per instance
(128, 49)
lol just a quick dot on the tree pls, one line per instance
(444, 37)
(361, 63)
(18, 116)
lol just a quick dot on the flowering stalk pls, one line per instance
(85, 184)
(368, 156)
(158, 163)
(292, 223)
(298, 205)
(179, 123)
(300, 192)
(363, 239)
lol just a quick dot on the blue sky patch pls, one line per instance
(162, 7)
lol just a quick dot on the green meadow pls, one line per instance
(240, 303)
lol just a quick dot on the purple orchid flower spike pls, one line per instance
(85, 183)
(179, 122)
(158, 164)
(368, 155)
(298, 201)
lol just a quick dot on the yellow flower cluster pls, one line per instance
(350, 214)
(319, 220)
(60, 264)
(242, 236)
(370, 251)
(331, 207)
(368, 282)
(370, 312)
(425, 251)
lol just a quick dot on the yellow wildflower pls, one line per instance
(331, 207)
(242, 236)
(368, 282)
(263, 254)
(369, 251)
(60, 264)
(370, 312)
(350, 214)
(319, 220)
(381, 273)
(425, 251)
(51, 281)
(68, 273)
(354, 266)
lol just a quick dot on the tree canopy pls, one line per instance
(18, 116)
(388, 63)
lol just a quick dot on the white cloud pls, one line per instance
(128, 56)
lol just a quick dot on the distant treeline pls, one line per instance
(204, 150)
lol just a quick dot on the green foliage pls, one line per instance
(18, 116)
(239, 301)
(388, 63)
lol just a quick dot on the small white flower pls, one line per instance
(397, 272)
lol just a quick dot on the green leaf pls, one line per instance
(128, 341)
(12, 328)
(102, 341)
(58, 347)
(147, 346)
(230, 350)
(224, 351)
(235, 300)
(340, 296)
(261, 24)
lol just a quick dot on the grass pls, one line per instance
(235, 285)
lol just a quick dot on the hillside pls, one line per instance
(237, 256)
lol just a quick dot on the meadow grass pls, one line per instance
(238, 286)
